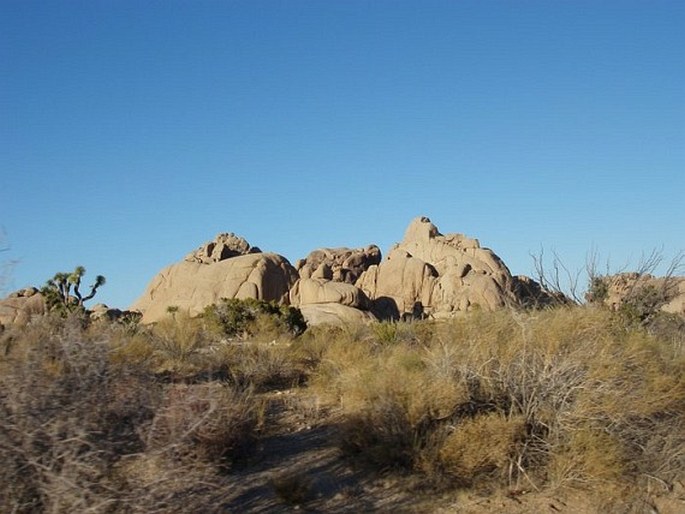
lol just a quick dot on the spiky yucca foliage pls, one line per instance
(59, 295)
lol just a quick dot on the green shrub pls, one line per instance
(234, 317)
(598, 290)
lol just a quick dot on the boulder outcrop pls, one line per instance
(430, 274)
(530, 293)
(667, 292)
(334, 314)
(325, 292)
(224, 246)
(401, 285)
(339, 264)
(20, 306)
(101, 311)
(308, 291)
(205, 277)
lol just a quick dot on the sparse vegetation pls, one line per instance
(59, 295)
(111, 418)
(234, 317)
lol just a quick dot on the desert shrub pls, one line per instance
(380, 435)
(177, 343)
(517, 399)
(235, 317)
(152, 483)
(598, 289)
(176, 347)
(391, 332)
(587, 457)
(66, 414)
(668, 327)
(86, 426)
(260, 366)
(642, 304)
(485, 445)
(211, 422)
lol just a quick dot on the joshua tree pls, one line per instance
(58, 290)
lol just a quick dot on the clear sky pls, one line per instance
(131, 132)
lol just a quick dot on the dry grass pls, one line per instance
(111, 418)
(563, 397)
(84, 430)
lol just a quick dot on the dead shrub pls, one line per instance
(210, 422)
(66, 414)
(257, 365)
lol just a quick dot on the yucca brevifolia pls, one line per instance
(58, 292)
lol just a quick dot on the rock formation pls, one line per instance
(101, 311)
(426, 275)
(334, 314)
(307, 291)
(669, 292)
(224, 246)
(325, 292)
(433, 275)
(19, 307)
(531, 294)
(227, 267)
(341, 264)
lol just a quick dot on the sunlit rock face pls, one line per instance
(429, 274)
(227, 267)
(426, 275)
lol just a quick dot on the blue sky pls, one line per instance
(131, 132)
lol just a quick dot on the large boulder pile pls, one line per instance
(429, 274)
(426, 275)
(227, 267)
(325, 292)
(342, 264)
